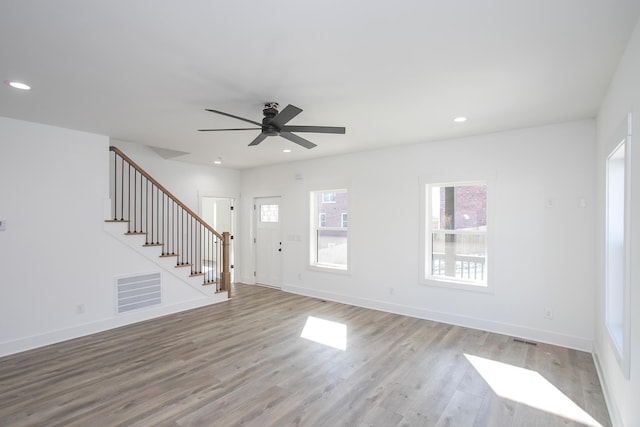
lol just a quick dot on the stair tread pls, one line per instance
(134, 233)
(153, 244)
(167, 255)
(116, 220)
(183, 265)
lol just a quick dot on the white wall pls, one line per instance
(539, 256)
(623, 96)
(55, 254)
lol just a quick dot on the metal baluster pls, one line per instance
(141, 210)
(157, 213)
(163, 226)
(180, 249)
(115, 186)
(169, 227)
(206, 257)
(135, 200)
(122, 191)
(216, 261)
(182, 236)
(146, 210)
(129, 213)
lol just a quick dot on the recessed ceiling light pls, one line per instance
(18, 85)
(218, 161)
(460, 119)
(286, 150)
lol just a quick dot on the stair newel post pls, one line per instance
(226, 273)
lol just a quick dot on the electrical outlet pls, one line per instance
(548, 313)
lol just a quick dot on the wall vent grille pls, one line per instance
(136, 292)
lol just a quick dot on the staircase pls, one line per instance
(155, 223)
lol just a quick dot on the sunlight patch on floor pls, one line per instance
(325, 332)
(530, 388)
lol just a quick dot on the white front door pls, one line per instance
(268, 241)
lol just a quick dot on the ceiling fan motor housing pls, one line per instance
(270, 111)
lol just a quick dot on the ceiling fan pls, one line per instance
(275, 122)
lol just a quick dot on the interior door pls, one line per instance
(268, 241)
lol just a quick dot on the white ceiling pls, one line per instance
(390, 72)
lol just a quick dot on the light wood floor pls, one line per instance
(243, 362)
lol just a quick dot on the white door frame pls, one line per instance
(234, 203)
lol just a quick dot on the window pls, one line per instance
(268, 213)
(322, 220)
(328, 197)
(617, 260)
(456, 233)
(328, 247)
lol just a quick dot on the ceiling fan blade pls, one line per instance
(297, 139)
(316, 129)
(281, 119)
(215, 130)
(259, 139)
(235, 117)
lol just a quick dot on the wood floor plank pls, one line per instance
(244, 362)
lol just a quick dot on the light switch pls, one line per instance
(3, 225)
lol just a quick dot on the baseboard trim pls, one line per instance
(614, 414)
(53, 337)
(529, 334)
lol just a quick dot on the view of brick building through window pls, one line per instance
(329, 243)
(469, 204)
(458, 232)
(333, 206)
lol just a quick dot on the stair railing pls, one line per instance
(151, 210)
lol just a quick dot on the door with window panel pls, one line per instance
(268, 242)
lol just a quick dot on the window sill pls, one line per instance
(328, 269)
(459, 285)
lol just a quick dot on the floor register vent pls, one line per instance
(140, 291)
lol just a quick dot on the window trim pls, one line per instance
(622, 351)
(426, 278)
(314, 219)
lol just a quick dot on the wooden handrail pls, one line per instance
(157, 184)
